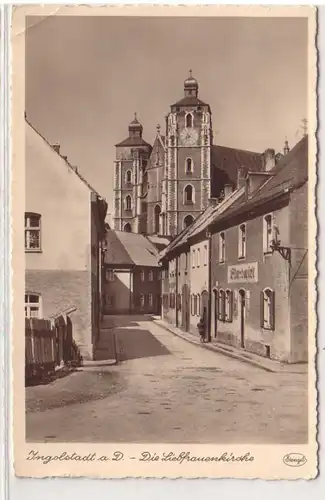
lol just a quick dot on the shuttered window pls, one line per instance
(221, 305)
(267, 305)
(229, 306)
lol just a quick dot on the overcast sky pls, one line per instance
(86, 76)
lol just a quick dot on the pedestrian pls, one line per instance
(202, 325)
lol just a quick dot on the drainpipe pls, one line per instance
(209, 236)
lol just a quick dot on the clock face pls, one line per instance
(189, 136)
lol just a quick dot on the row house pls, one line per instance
(64, 235)
(255, 286)
(132, 281)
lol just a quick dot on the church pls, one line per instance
(161, 189)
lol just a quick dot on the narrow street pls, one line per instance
(168, 390)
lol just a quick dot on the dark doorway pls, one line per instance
(215, 312)
(205, 305)
(127, 228)
(242, 312)
(186, 308)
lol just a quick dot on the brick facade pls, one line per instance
(63, 290)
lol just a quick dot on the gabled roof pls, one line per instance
(203, 221)
(64, 159)
(130, 249)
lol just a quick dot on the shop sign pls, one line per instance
(243, 273)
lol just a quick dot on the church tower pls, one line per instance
(130, 181)
(186, 186)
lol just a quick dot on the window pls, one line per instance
(150, 300)
(141, 300)
(188, 221)
(267, 233)
(205, 255)
(193, 258)
(267, 309)
(128, 177)
(228, 306)
(221, 305)
(222, 247)
(32, 305)
(188, 166)
(128, 202)
(157, 219)
(198, 305)
(242, 241)
(189, 120)
(188, 194)
(185, 261)
(198, 258)
(195, 305)
(110, 276)
(178, 302)
(150, 276)
(192, 305)
(32, 232)
(142, 275)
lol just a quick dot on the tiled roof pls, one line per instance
(290, 173)
(115, 251)
(203, 221)
(133, 141)
(228, 160)
(130, 249)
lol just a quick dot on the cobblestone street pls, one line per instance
(168, 390)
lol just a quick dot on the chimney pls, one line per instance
(228, 190)
(241, 175)
(56, 148)
(213, 202)
(269, 160)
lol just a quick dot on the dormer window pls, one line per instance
(189, 120)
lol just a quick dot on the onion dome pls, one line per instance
(135, 125)
(191, 82)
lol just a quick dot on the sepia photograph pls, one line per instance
(168, 221)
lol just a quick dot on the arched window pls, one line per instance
(189, 120)
(157, 219)
(127, 227)
(188, 194)
(128, 202)
(188, 166)
(268, 309)
(128, 177)
(188, 221)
